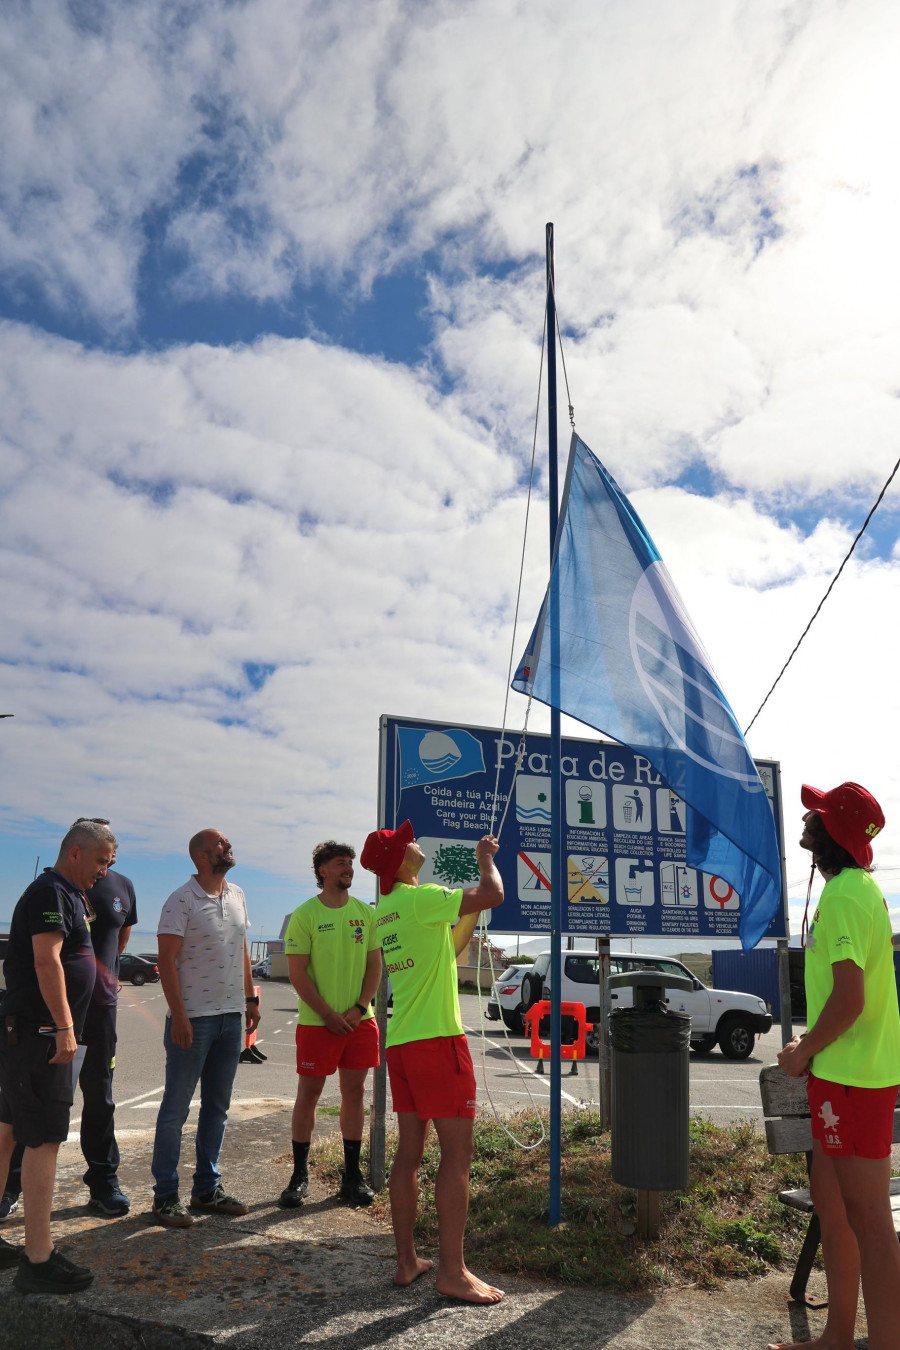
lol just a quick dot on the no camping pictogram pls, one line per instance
(533, 875)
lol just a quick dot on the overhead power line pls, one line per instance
(859, 536)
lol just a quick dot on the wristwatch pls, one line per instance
(362, 1009)
(252, 998)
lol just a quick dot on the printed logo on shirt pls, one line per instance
(117, 905)
(51, 916)
(359, 931)
(845, 940)
(325, 928)
(387, 918)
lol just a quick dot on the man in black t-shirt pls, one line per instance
(49, 974)
(113, 901)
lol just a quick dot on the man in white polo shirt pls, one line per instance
(204, 967)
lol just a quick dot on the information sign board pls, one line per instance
(623, 829)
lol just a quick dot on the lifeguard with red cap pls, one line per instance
(428, 1059)
(851, 1053)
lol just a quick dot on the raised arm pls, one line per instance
(489, 891)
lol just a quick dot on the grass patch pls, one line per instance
(727, 1223)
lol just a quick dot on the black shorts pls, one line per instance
(35, 1095)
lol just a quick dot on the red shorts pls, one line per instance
(434, 1078)
(320, 1052)
(851, 1121)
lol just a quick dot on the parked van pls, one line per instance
(718, 1016)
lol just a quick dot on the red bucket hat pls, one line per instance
(851, 816)
(384, 851)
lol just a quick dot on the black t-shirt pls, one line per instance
(113, 901)
(49, 905)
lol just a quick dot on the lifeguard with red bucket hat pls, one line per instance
(428, 1058)
(850, 1054)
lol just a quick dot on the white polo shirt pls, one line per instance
(210, 963)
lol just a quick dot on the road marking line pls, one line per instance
(74, 1124)
(732, 1107)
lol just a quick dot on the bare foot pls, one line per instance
(407, 1271)
(467, 1287)
(818, 1344)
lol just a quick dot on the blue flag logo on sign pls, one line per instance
(615, 648)
(433, 756)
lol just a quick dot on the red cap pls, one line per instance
(384, 851)
(850, 815)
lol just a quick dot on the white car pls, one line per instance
(731, 1019)
(262, 970)
(506, 999)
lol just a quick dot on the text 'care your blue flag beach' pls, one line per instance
(615, 648)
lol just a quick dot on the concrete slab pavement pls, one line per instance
(321, 1277)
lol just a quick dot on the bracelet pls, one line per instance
(252, 998)
(70, 1027)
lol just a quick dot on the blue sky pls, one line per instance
(271, 288)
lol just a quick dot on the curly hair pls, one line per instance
(326, 852)
(830, 856)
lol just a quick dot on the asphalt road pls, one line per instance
(720, 1089)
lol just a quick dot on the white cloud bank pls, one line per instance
(727, 204)
(214, 583)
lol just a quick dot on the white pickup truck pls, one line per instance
(718, 1016)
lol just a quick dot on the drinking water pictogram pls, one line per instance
(635, 881)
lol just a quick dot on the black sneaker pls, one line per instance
(257, 1055)
(9, 1255)
(9, 1203)
(58, 1275)
(356, 1190)
(111, 1202)
(294, 1193)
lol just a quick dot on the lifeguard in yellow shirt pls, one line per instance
(851, 1054)
(428, 1059)
(334, 964)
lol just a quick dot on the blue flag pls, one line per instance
(432, 756)
(615, 648)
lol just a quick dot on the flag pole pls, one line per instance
(556, 856)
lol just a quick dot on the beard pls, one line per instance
(224, 864)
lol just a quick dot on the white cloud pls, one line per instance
(726, 200)
(371, 577)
